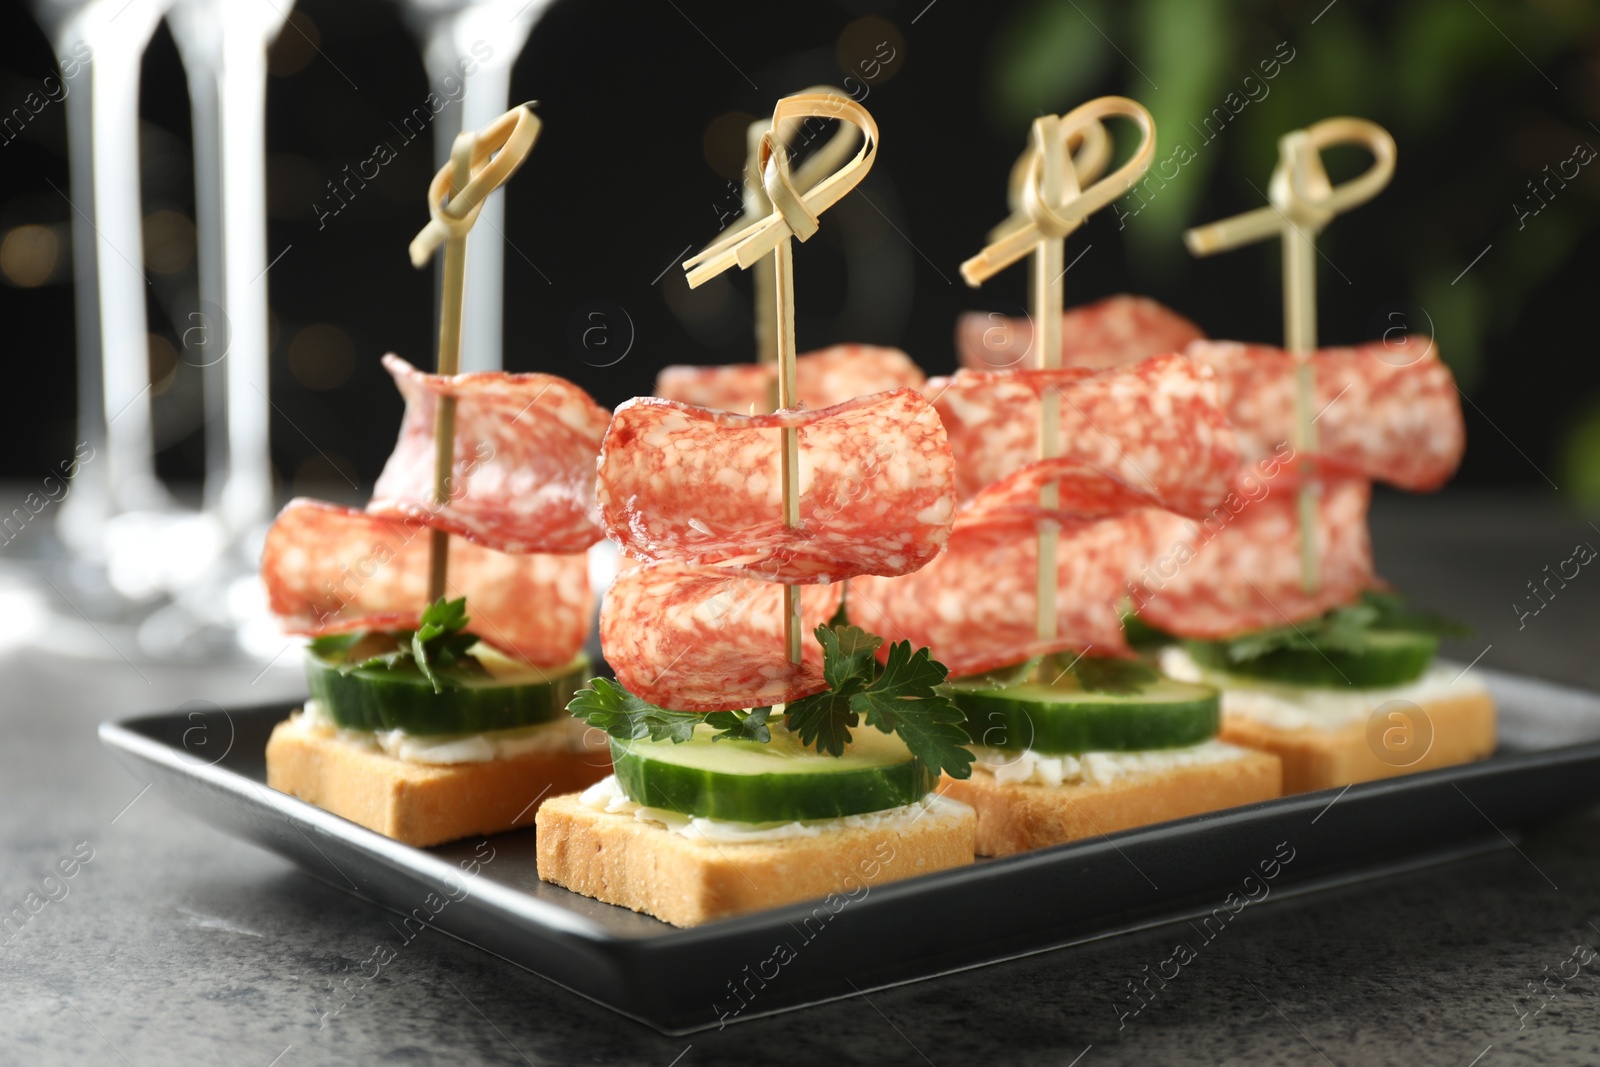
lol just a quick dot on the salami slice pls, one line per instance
(1387, 411)
(975, 605)
(702, 639)
(331, 569)
(525, 447)
(1241, 571)
(1084, 493)
(1112, 332)
(1156, 425)
(702, 487)
(824, 378)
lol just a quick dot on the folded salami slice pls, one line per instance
(331, 569)
(525, 444)
(824, 378)
(1156, 425)
(1241, 571)
(1112, 332)
(1084, 493)
(1388, 411)
(702, 639)
(704, 487)
(975, 605)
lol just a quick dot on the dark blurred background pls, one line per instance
(645, 104)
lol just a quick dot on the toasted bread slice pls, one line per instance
(1462, 729)
(423, 804)
(686, 881)
(1019, 816)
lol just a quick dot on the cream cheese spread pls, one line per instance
(607, 795)
(1096, 768)
(563, 735)
(1294, 707)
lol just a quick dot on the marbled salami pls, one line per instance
(704, 639)
(1156, 425)
(1388, 411)
(975, 605)
(1112, 332)
(704, 487)
(826, 377)
(1240, 571)
(331, 569)
(525, 445)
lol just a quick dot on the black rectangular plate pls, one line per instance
(683, 980)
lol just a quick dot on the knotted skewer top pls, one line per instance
(1299, 194)
(794, 213)
(1037, 217)
(498, 150)
(1301, 201)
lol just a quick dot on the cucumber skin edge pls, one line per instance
(696, 792)
(1073, 728)
(1375, 669)
(360, 701)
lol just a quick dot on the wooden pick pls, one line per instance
(794, 215)
(821, 163)
(1036, 220)
(1091, 151)
(1048, 202)
(480, 162)
(1301, 203)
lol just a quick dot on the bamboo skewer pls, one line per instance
(1048, 202)
(480, 162)
(783, 311)
(817, 166)
(1057, 181)
(794, 215)
(444, 420)
(1302, 201)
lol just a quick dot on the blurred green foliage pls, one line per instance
(1432, 71)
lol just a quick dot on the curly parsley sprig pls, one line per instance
(904, 698)
(607, 706)
(439, 642)
(1344, 629)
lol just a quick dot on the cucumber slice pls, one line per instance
(1384, 658)
(779, 781)
(505, 696)
(1067, 719)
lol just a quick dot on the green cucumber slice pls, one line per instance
(1067, 719)
(505, 696)
(778, 781)
(1382, 658)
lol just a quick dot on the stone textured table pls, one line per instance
(173, 943)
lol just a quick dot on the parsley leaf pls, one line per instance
(1393, 614)
(848, 652)
(1103, 674)
(905, 700)
(440, 641)
(607, 706)
(334, 646)
(741, 725)
(1344, 629)
(823, 720)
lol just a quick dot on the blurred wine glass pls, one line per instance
(145, 576)
(216, 603)
(102, 42)
(488, 36)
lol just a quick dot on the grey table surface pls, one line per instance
(174, 943)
